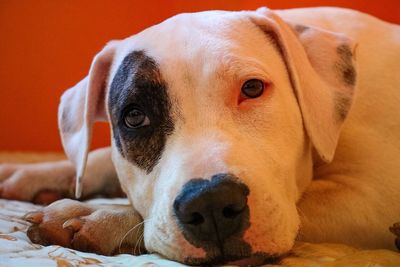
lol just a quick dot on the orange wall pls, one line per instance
(46, 46)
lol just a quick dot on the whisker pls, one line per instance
(137, 226)
(137, 242)
(140, 239)
(127, 233)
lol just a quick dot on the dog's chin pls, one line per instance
(256, 259)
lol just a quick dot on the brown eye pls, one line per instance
(135, 118)
(252, 88)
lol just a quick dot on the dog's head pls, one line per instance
(215, 117)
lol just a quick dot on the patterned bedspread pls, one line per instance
(17, 250)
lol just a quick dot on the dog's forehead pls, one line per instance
(190, 30)
(191, 36)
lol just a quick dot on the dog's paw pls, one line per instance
(395, 229)
(41, 183)
(105, 230)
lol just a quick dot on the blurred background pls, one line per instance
(47, 46)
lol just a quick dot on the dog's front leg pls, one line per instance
(48, 181)
(102, 229)
(342, 210)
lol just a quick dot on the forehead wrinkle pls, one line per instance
(239, 68)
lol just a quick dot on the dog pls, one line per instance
(234, 134)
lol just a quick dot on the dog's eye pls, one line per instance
(252, 88)
(135, 118)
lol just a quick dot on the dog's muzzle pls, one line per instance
(211, 211)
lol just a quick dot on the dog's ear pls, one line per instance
(322, 72)
(80, 107)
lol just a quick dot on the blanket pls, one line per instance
(17, 250)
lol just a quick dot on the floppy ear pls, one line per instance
(80, 107)
(322, 72)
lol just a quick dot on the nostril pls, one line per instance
(231, 211)
(196, 219)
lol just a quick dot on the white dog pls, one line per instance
(233, 135)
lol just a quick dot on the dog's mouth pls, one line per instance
(256, 259)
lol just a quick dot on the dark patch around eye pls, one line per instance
(138, 82)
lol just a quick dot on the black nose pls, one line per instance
(212, 210)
